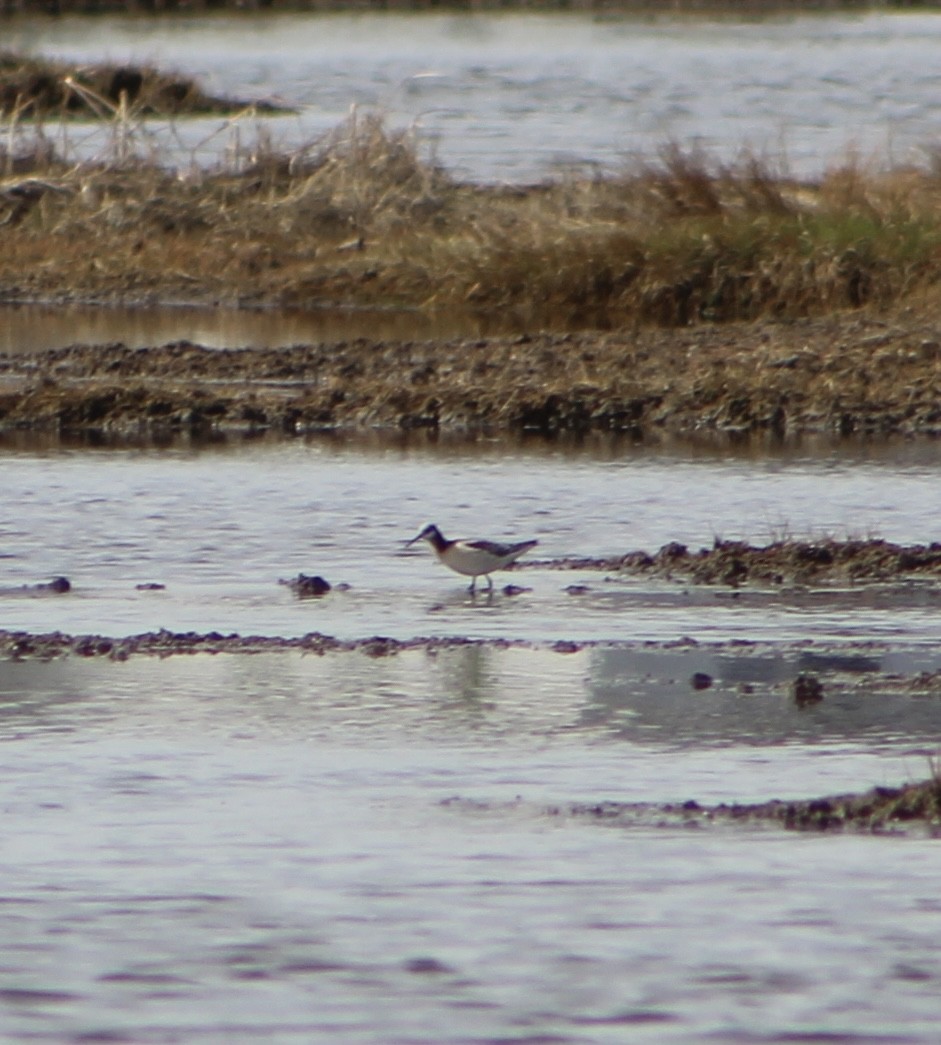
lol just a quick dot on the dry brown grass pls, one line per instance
(360, 218)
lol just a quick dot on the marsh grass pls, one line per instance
(361, 217)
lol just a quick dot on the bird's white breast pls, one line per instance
(473, 562)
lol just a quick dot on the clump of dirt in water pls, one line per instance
(879, 810)
(790, 562)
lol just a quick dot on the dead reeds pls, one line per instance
(362, 218)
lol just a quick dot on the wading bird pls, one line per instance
(472, 558)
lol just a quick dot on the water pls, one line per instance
(375, 850)
(368, 850)
(339, 848)
(26, 329)
(220, 527)
(514, 97)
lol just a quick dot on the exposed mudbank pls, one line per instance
(164, 643)
(57, 586)
(789, 562)
(877, 811)
(19, 645)
(811, 375)
(911, 809)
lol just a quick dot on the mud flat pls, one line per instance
(19, 645)
(845, 373)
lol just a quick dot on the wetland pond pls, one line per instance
(381, 848)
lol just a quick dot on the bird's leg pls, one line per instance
(473, 585)
(489, 583)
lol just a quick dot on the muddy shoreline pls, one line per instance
(913, 808)
(20, 645)
(852, 372)
(55, 645)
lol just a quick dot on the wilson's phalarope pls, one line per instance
(472, 558)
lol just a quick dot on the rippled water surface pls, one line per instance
(362, 849)
(343, 849)
(513, 97)
(220, 526)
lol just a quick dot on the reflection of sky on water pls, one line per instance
(640, 700)
(648, 698)
(35, 328)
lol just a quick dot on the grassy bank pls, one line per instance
(360, 218)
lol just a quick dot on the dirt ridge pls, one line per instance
(879, 810)
(846, 373)
(790, 561)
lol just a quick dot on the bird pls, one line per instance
(472, 558)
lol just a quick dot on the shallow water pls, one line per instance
(345, 848)
(375, 850)
(27, 329)
(516, 96)
(220, 526)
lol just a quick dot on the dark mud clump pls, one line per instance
(37, 87)
(305, 586)
(788, 562)
(57, 586)
(880, 810)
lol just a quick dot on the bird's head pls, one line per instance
(430, 533)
